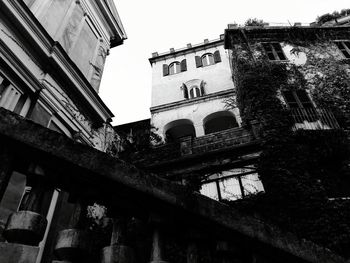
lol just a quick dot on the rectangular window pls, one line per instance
(232, 184)
(344, 47)
(297, 99)
(274, 51)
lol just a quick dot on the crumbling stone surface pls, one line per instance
(16, 253)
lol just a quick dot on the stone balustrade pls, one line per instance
(173, 223)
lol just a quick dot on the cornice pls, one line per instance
(187, 102)
(236, 35)
(52, 56)
(112, 19)
(184, 51)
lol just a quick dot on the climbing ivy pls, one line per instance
(301, 169)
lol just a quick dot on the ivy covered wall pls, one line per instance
(304, 172)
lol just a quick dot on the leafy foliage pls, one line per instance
(331, 16)
(254, 22)
(300, 170)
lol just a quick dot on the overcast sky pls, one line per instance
(157, 25)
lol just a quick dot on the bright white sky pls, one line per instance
(157, 25)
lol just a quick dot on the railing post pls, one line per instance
(192, 252)
(6, 168)
(157, 253)
(26, 228)
(75, 243)
(118, 251)
(186, 145)
(256, 129)
(229, 253)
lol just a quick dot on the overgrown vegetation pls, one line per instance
(254, 22)
(331, 16)
(300, 170)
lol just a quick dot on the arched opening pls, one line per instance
(178, 129)
(207, 59)
(174, 68)
(195, 92)
(219, 121)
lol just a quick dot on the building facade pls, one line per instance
(189, 87)
(52, 55)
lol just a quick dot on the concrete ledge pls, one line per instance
(104, 176)
(17, 253)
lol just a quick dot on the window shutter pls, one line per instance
(202, 88)
(279, 51)
(183, 65)
(217, 57)
(185, 91)
(165, 70)
(198, 62)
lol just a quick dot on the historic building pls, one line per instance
(191, 91)
(52, 55)
(287, 89)
(189, 86)
(63, 199)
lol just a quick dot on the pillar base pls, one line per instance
(25, 227)
(17, 253)
(73, 245)
(118, 254)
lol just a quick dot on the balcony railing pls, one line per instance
(314, 119)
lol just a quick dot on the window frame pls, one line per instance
(195, 92)
(300, 103)
(218, 181)
(274, 52)
(177, 67)
(206, 59)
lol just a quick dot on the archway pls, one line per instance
(178, 129)
(219, 121)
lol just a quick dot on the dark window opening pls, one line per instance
(274, 51)
(344, 47)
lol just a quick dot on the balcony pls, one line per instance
(188, 147)
(313, 119)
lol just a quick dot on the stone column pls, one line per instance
(28, 225)
(229, 253)
(24, 229)
(157, 246)
(118, 251)
(186, 146)
(6, 168)
(192, 252)
(256, 129)
(74, 244)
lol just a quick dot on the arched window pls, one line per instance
(195, 92)
(196, 88)
(207, 59)
(174, 68)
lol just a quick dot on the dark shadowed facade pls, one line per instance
(64, 200)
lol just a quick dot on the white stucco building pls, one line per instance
(189, 87)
